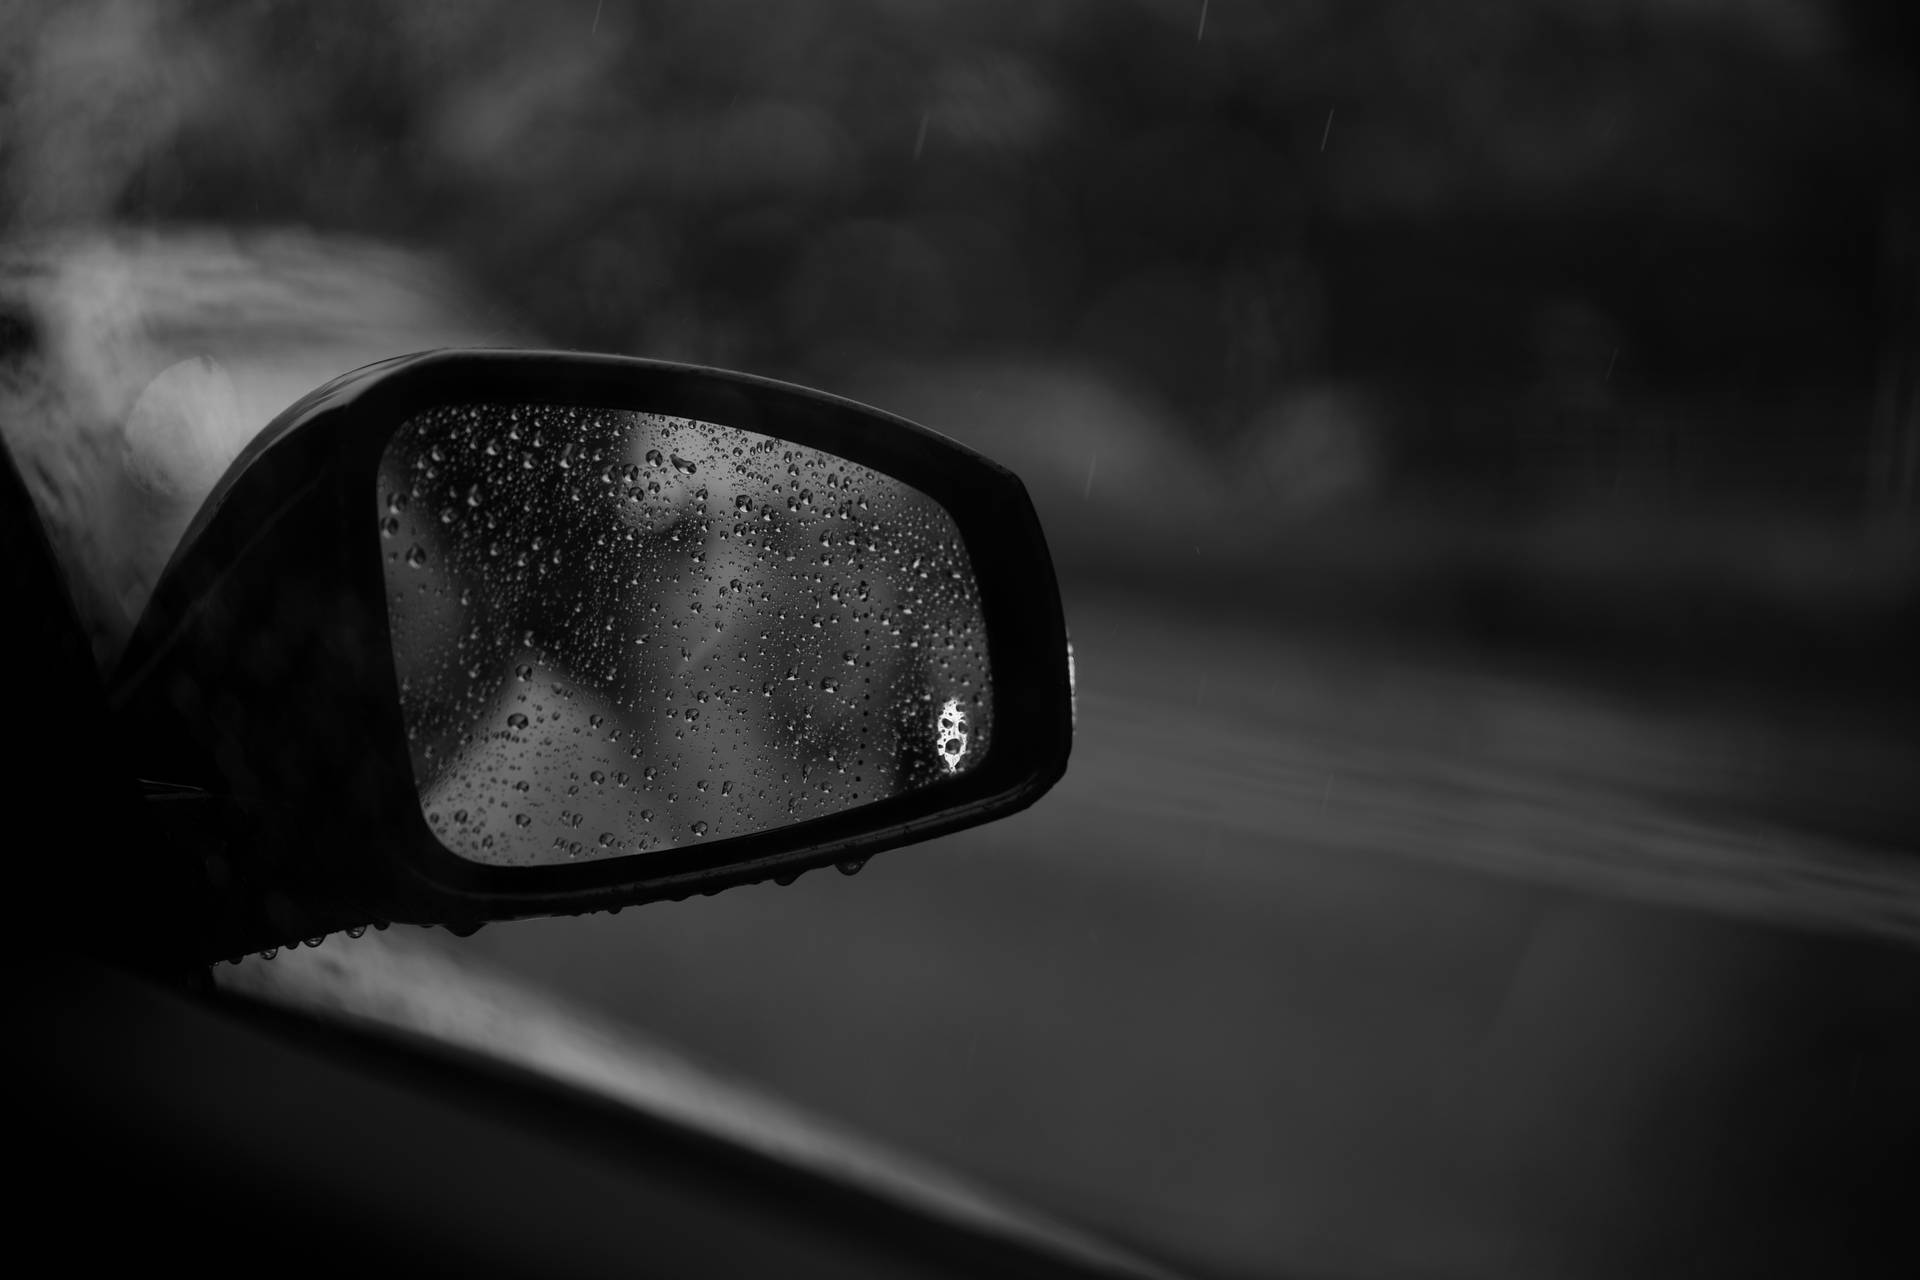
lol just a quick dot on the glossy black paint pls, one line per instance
(262, 671)
(237, 1139)
(80, 873)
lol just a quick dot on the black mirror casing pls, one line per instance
(259, 697)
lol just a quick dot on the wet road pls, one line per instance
(1316, 964)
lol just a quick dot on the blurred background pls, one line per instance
(1481, 446)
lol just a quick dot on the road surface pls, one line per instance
(1326, 966)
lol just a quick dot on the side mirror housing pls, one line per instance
(476, 635)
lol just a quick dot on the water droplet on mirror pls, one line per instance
(390, 526)
(522, 820)
(517, 721)
(660, 555)
(850, 867)
(699, 828)
(416, 555)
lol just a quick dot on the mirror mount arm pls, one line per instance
(234, 913)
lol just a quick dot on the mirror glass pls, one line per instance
(617, 632)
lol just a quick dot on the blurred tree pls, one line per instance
(1384, 192)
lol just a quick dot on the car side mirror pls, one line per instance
(470, 636)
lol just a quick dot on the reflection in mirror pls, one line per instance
(618, 632)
